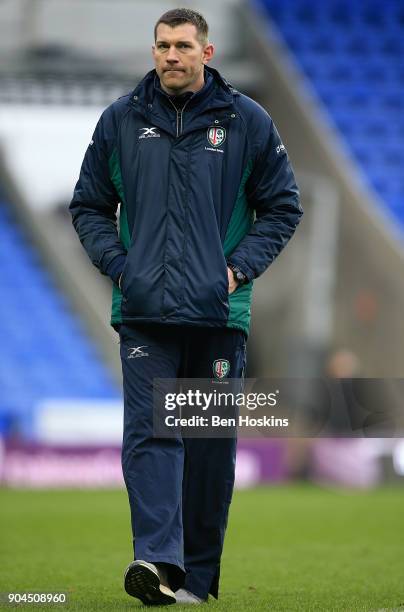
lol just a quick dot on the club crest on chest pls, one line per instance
(216, 136)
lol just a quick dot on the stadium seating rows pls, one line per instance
(353, 54)
(44, 350)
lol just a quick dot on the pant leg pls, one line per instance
(152, 467)
(209, 468)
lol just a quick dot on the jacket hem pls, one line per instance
(175, 320)
(239, 326)
(180, 321)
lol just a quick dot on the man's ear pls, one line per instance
(208, 53)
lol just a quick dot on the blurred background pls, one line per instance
(331, 74)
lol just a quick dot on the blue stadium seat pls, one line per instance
(44, 349)
(353, 53)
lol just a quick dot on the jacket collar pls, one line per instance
(192, 99)
(216, 93)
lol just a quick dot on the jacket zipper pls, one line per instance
(180, 113)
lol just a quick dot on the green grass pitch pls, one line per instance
(288, 548)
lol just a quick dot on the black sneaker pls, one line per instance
(142, 580)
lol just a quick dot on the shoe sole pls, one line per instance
(143, 583)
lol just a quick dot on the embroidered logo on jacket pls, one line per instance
(149, 133)
(137, 352)
(216, 136)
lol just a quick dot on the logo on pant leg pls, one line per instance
(137, 351)
(221, 368)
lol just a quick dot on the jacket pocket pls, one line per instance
(206, 289)
(142, 282)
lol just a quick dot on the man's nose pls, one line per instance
(172, 54)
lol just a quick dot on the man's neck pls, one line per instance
(193, 88)
(179, 100)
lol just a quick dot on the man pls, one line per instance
(207, 201)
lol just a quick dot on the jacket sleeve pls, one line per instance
(94, 205)
(272, 192)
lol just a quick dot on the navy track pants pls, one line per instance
(179, 489)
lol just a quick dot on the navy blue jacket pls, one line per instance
(198, 189)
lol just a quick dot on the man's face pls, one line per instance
(180, 57)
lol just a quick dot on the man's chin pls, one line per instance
(174, 79)
(174, 85)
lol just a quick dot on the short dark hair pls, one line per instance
(178, 16)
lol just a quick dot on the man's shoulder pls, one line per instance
(111, 116)
(118, 106)
(251, 110)
(257, 122)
